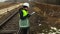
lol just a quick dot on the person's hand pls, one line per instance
(32, 13)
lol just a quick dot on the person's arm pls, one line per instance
(31, 14)
(21, 13)
(28, 15)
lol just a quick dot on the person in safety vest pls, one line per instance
(24, 18)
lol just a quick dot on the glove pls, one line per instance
(32, 13)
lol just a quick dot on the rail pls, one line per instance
(15, 12)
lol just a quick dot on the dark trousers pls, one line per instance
(23, 30)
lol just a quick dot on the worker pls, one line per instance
(24, 24)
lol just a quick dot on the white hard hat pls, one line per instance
(26, 4)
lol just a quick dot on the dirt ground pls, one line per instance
(46, 20)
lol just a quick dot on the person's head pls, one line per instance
(26, 6)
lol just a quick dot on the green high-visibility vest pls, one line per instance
(24, 23)
(25, 13)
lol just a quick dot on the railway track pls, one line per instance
(8, 19)
(10, 24)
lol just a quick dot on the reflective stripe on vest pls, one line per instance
(25, 12)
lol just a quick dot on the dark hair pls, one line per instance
(25, 7)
